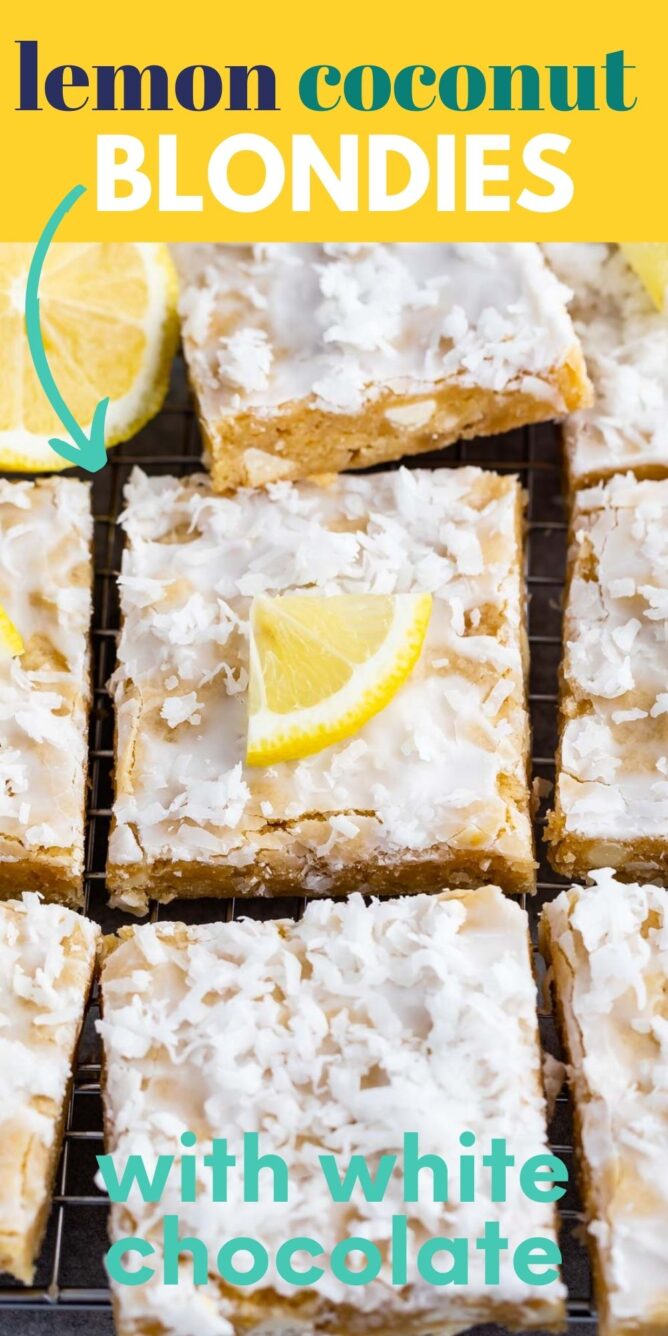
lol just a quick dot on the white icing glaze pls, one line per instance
(338, 324)
(335, 1035)
(431, 770)
(45, 586)
(610, 945)
(46, 961)
(614, 759)
(625, 343)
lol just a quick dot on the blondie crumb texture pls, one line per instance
(608, 947)
(334, 1035)
(625, 342)
(307, 359)
(45, 586)
(47, 957)
(611, 796)
(431, 791)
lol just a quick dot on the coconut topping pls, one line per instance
(45, 587)
(46, 962)
(609, 944)
(613, 780)
(337, 325)
(625, 342)
(442, 765)
(331, 1036)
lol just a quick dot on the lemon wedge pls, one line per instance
(649, 259)
(320, 667)
(11, 640)
(109, 324)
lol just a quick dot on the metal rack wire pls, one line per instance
(70, 1276)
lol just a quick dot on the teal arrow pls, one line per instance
(87, 451)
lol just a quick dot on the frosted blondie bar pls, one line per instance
(625, 342)
(608, 947)
(309, 358)
(47, 957)
(332, 1036)
(45, 588)
(431, 791)
(611, 805)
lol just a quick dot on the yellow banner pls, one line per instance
(265, 121)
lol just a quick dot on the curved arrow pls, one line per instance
(87, 451)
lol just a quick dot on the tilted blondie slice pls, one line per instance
(46, 577)
(308, 358)
(608, 947)
(47, 957)
(432, 790)
(625, 341)
(334, 1036)
(611, 805)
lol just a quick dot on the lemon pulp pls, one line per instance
(109, 326)
(11, 640)
(320, 667)
(649, 259)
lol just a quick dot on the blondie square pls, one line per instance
(47, 957)
(625, 342)
(608, 948)
(337, 1036)
(611, 804)
(316, 358)
(431, 791)
(46, 579)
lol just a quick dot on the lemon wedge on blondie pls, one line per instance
(320, 667)
(11, 640)
(649, 259)
(109, 325)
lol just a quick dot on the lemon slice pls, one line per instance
(109, 324)
(649, 259)
(11, 640)
(321, 667)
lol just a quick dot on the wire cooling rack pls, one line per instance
(70, 1292)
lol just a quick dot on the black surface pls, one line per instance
(70, 1296)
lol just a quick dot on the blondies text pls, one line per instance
(375, 173)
